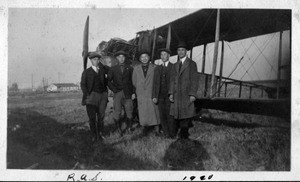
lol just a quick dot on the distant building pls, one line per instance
(62, 87)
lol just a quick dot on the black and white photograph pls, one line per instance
(117, 91)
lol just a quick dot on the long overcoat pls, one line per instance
(184, 83)
(148, 111)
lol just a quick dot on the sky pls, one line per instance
(47, 43)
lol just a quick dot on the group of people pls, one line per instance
(165, 93)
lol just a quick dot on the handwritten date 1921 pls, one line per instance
(194, 177)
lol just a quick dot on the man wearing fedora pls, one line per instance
(161, 85)
(142, 79)
(120, 82)
(94, 87)
(183, 90)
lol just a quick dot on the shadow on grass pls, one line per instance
(33, 138)
(185, 155)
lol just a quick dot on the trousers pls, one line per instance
(119, 101)
(168, 124)
(95, 106)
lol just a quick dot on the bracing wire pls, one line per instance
(260, 53)
(202, 28)
(265, 45)
(249, 59)
(265, 58)
(242, 56)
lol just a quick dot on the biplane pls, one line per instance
(217, 26)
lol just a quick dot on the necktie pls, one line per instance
(122, 68)
(164, 64)
(180, 64)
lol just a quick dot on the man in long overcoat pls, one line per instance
(160, 94)
(142, 79)
(183, 90)
(94, 87)
(120, 82)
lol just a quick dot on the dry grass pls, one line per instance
(48, 134)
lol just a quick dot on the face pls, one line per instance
(164, 56)
(106, 60)
(95, 61)
(121, 58)
(181, 52)
(144, 58)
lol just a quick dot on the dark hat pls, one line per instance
(121, 52)
(165, 50)
(144, 52)
(93, 55)
(182, 44)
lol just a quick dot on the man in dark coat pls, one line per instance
(94, 87)
(160, 94)
(183, 90)
(120, 82)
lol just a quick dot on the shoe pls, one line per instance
(145, 131)
(101, 137)
(158, 134)
(129, 127)
(118, 126)
(184, 133)
(94, 138)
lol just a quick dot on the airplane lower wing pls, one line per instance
(269, 107)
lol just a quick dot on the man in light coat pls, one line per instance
(142, 79)
(183, 90)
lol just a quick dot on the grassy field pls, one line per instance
(50, 131)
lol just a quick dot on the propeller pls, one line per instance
(85, 51)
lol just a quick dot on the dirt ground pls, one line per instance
(50, 131)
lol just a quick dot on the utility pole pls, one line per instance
(43, 83)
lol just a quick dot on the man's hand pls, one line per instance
(154, 100)
(171, 98)
(132, 96)
(192, 98)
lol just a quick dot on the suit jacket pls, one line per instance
(184, 84)
(118, 81)
(89, 76)
(157, 79)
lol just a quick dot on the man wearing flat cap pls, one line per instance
(142, 79)
(120, 82)
(160, 93)
(94, 87)
(183, 90)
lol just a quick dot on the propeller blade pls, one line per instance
(85, 43)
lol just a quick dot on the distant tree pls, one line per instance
(14, 87)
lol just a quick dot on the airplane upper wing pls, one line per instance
(199, 27)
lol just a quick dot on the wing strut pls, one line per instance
(217, 36)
